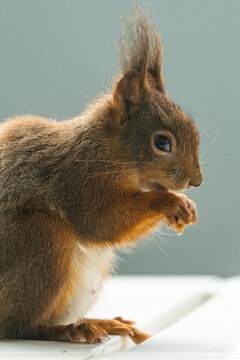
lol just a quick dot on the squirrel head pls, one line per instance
(161, 139)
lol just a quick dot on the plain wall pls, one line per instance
(57, 55)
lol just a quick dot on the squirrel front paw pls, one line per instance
(182, 212)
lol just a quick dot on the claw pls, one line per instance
(129, 322)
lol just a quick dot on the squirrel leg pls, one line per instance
(119, 326)
(81, 332)
(88, 331)
(133, 215)
(176, 210)
(142, 212)
(120, 218)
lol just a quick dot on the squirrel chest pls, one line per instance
(88, 268)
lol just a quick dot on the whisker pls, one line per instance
(108, 161)
(203, 131)
(158, 245)
(173, 176)
(209, 147)
(159, 233)
(164, 241)
(119, 171)
(145, 167)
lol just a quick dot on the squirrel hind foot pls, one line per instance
(119, 326)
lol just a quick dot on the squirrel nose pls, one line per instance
(195, 183)
(191, 185)
(196, 180)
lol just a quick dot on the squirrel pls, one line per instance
(73, 191)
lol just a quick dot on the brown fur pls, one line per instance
(81, 181)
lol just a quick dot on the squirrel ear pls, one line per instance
(140, 59)
(155, 79)
(141, 52)
(129, 88)
(154, 73)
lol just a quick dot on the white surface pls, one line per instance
(155, 303)
(211, 331)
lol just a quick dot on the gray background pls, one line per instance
(56, 56)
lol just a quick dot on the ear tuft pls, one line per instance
(155, 60)
(141, 50)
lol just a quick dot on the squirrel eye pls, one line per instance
(162, 142)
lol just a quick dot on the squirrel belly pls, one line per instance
(89, 267)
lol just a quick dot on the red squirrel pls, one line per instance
(73, 191)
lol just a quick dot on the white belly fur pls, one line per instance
(90, 266)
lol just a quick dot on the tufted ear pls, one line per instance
(130, 88)
(141, 51)
(140, 59)
(154, 72)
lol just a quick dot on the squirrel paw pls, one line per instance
(119, 326)
(182, 212)
(84, 333)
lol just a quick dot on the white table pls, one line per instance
(189, 318)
